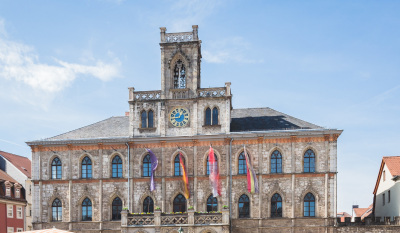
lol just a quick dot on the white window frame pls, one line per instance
(19, 212)
(17, 193)
(10, 229)
(12, 211)
(20, 229)
(8, 191)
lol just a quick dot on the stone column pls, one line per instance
(124, 218)
(190, 217)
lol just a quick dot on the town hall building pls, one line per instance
(97, 178)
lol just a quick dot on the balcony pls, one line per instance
(159, 219)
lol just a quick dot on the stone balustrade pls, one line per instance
(162, 219)
(211, 92)
(144, 95)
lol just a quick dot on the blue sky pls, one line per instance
(66, 64)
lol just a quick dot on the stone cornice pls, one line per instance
(298, 136)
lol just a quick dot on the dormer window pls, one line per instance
(8, 191)
(17, 193)
(179, 75)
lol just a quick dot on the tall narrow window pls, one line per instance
(56, 168)
(208, 163)
(212, 204)
(179, 203)
(244, 206)
(150, 119)
(87, 210)
(147, 166)
(384, 175)
(389, 196)
(179, 75)
(309, 205)
(116, 208)
(177, 166)
(86, 168)
(383, 199)
(276, 206)
(242, 164)
(56, 210)
(208, 116)
(148, 205)
(117, 167)
(276, 162)
(144, 119)
(309, 161)
(215, 116)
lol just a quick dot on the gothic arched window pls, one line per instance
(177, 166)
(276, 162)
(244, 206)
(150, 119)
(87, 210)
(242, 164)
(117, 167)
(276, 205)
(116, 208)
(309, 205)
(56, 210)
(212, 204)
(215, 116)
(309, 161)
(179, 75)
(208, 116)
(148, 205)
(208, 163)
(56, 168)
(147, 166)
(144, 119)
(179, 203)
(86, 168)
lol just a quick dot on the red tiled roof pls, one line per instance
(393, 163)
(344, 214)
(5, 176)
(358, 212)
(20, 162)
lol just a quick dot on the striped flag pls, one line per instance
(154, 163)
(214, 174)
(252, 184)
(184, 175)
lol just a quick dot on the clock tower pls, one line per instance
(181, 107)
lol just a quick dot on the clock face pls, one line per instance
(179, 116)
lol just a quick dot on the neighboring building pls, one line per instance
(342, 216)
(19, 168)
(362, 212)
(12, 204)
(387, 189)
(83, 178)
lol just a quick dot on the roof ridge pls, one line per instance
(14, 154)
(81, 127)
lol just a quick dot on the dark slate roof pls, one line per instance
(264, 119)
(113, 127)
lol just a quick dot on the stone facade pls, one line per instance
(263, 131)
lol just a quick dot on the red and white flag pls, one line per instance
(214, 174)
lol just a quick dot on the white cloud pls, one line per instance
(19, 62)
(234, 49)
(188, 13)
